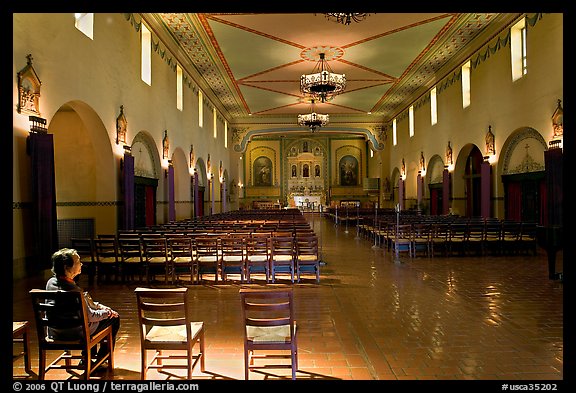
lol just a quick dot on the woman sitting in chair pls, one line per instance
(66, 266)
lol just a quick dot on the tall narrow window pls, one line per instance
(226, 134)
(518, 49)
(215, 123)
(200, 109)
(85, 23)
(466, 84)
(146, 55)
(179, 92)
(411, 120)
(394, 140)
(433, 107)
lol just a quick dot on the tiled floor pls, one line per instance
(371, 318)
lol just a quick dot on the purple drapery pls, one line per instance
(485, 189)
(171, 202)
(514, 201)
(419, 189)
(553, 160)
(445, 191)
(401, 193)
(128, 174)
(45, 232)
(196, 196)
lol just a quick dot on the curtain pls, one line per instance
(514, 201)
(45, 242)
(150, 203)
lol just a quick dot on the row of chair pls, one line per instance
(166, 329)
(458, 237)
(174, 255)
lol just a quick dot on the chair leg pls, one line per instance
(143, 365)
(246, 365)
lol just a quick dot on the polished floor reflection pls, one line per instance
(373, 318)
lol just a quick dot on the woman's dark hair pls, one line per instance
(61, 260)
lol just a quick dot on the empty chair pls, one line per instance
(166, 325)
(476, 237)
(156, 257)
(402, 239)
(282, 256)
(107, 257)
(421, 238)
(21, 335)
(66, 312)
(510, 237)
(85, 249)
(181, 257)
(439, 238)
(207, 256)
(457, 237)
(131, 257)
(269, 325)
(258, 255)
(307, 255)
(492, 236)
(527, 240)
(233, 256)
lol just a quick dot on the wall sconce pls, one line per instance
(121, 126)
(37, 124)
(166, 170)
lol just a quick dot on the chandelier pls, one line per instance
(312, 120)
(322, 83)
(345, 19)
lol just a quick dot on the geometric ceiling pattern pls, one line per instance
(253, 62)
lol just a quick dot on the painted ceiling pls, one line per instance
(252, 63)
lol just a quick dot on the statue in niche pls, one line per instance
(293, 170)
(317, 151)
(305, 147)
(449, 154)
(558, 120)
(317, 171)
(293, 151)
(305, 171)
(490, 142)
(422, 161)
(165, 145)
(121, 126)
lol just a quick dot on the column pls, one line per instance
(445, 191)
(171, 199)
(128, 182)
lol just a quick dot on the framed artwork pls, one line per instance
(348, 171)
(262, 171)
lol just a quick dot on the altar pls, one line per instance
(307, 202)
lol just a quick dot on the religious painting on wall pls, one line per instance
(348, 171)
(262, 171)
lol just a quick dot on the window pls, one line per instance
(433, 107)
(226, 134)
(215, 122)
(411, 120)
(85, 23)
(200, 109)
(179, 92)
(518, 49)
(466, 84)
(146, 55)
(394, 140)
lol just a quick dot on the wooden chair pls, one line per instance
(457, 238)
(307, 256)
(156, 257)
(21, 334)
(421, 238)
(107, 257)
(402, 239)
(510, 237)
(258, 255)
(67, 312)
(439, 238)
(233, 254)
(282, 255)
(131, 257)
(166, 325)
(269, 325)
(182, 256)
(85, 249)
(207, 254)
